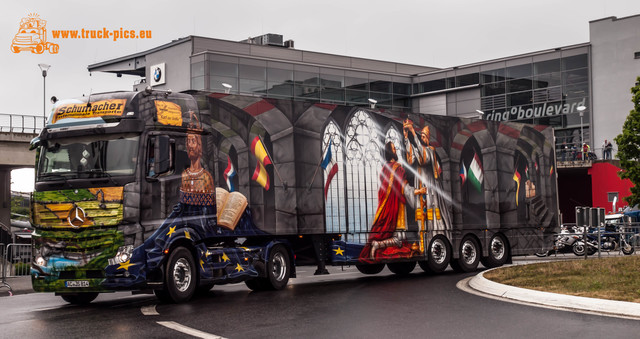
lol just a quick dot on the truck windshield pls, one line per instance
(82, 157)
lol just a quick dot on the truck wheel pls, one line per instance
(469, 255)
(438, 255)
(278, 270)
(180, 277)
(79, 298)
(15, 49)
(498, 252)
(402, 268)
(370, 268)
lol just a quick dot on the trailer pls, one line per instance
(178, 192)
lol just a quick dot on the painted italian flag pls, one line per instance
(475, 174)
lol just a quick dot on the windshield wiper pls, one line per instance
(52, 175)
(99, 171)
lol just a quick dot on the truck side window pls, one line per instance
(151, 158)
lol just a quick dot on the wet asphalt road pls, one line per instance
(345, 304)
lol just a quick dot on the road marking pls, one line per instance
(149, 310)
(188, 330)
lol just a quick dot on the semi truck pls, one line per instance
(177, 192)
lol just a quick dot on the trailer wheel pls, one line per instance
(498, 252)
(370, 268)
(180, 278)
(402, 268)
(438, 255)
(79, 298)
(469, 255)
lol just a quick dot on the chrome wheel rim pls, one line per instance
(182, 274)
(497, 248)
(438, 251)
(279, 267)
(469, 253)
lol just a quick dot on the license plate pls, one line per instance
(77, 283)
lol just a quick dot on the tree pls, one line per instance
(629, 147)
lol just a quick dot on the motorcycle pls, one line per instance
(568, 240)
(612, 238)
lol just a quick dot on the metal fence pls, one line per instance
(599, 240)
(15, 123)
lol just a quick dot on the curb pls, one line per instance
(565, 302)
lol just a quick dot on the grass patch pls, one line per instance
(610, 278)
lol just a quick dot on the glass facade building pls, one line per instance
(280, 79)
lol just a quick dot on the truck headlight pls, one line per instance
(123, 255)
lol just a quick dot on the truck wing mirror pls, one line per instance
(36, 142)
(162, 162)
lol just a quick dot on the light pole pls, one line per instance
(44, 68)
(581, 109)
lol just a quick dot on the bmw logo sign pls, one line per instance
(157, 74)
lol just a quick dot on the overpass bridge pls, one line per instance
(16, 132)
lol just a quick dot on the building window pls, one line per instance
(636, 55)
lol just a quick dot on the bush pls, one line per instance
(22, 268)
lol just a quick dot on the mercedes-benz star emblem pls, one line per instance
(76, 217)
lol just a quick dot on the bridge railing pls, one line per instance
(15, 123)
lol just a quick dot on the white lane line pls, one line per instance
(188, 330)
(149, 310)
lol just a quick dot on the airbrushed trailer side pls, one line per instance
(178, 192)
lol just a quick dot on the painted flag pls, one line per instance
(229, 173)
(463, 173)
(260, 175)
(329, 163)
(475, 173)
(516, 178)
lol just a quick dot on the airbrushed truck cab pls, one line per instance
(178, 192)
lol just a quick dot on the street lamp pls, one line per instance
(227, 87)
(44, 68)
(372, 103)
(581, 109)
(481, 113)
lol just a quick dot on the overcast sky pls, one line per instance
(423, 32)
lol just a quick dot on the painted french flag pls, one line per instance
(329, 163)
(229, 173)
(463, 173)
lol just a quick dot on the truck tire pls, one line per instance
(401, 268)
(438, 255)
(79, 298)
(370, 268)
(498, 252)
(469, 255)
(180, 275)
(278, 269)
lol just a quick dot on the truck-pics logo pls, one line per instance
(32, 36)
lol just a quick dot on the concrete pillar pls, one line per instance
(5, 205)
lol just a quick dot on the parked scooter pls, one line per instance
(568, 240)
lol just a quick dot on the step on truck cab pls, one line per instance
(175, 192)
